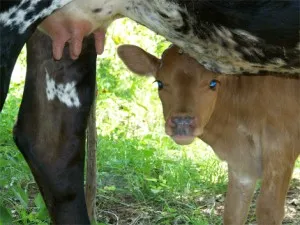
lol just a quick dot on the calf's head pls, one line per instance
(187, 90)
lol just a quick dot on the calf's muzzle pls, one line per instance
(181, 129)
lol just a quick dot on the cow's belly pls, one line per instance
(216, 46)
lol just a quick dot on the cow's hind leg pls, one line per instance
(50, 130)
(238, 198)
(275, 182)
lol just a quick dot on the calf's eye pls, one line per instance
(160, 84)
(213, 84)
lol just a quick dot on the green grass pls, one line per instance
(143, 177)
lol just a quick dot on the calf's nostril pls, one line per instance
(182, 121)
(175, 120)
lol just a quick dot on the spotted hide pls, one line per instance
(230, 37)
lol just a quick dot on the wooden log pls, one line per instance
(91, 173)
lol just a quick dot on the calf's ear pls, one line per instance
(137, 60)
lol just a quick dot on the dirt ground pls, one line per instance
(125, 211)
(129, 213)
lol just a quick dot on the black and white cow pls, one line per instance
(227, 37)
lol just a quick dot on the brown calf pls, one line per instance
(251, 122)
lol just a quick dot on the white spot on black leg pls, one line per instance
(66, 93)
